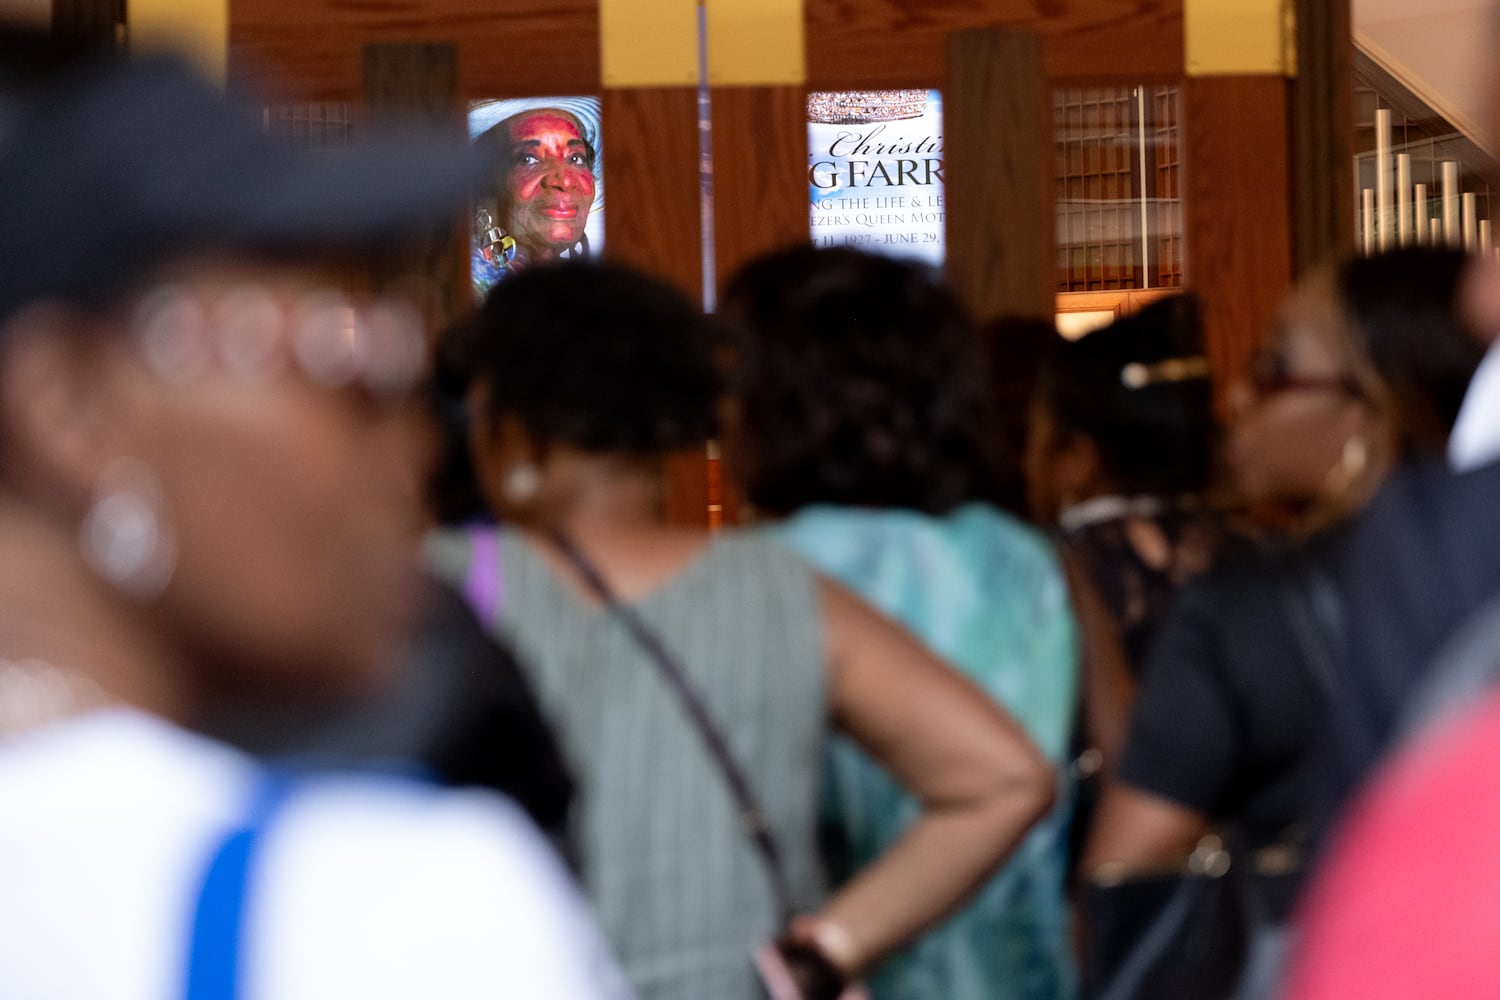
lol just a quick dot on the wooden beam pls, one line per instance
(760, 173)
(1239, 243)
(650, 149)
(1322, 123)
(904, 43)
(651, 221)
(999, 174)
(536, 47)
(414, 85)
(312, 47)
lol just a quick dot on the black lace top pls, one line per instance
(1138, 552)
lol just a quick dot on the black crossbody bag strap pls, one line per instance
(752, 815)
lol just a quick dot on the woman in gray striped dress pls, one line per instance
(582, 377)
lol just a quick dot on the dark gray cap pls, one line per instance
(110, 167)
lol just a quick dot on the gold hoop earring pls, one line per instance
(1355, 456)
(1353, 460)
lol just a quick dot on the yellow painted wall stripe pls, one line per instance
(1239, 37)
(648, 43)
(754, 42)
(198, 28)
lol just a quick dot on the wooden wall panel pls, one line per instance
(651, 215)
(1147, 49)
(685, 488)
(515, 49)
(1238, 140)
(1239, 245)
(894, 43)
(552, 46)
(999, 174)
(652, 221)
(760, 172)
(1322, 125)
(414, 86)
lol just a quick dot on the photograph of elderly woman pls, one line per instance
(546, 199)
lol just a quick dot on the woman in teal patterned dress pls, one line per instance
(859, 425)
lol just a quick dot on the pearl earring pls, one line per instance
(522, 483)
(124, 536)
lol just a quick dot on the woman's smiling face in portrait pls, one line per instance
(549, 182)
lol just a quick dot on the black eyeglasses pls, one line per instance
(1271, 375)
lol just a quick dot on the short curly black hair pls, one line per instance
(1157, 438)
(593, 355)
(858, 381)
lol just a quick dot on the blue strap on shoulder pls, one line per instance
(214, 955)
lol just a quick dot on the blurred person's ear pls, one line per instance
(1077, 472)
(59, 417)
(508, 464)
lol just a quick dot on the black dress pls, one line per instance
(1232, 701)
(1410, 569)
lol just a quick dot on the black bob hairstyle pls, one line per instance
(859, 381)
(592, 355)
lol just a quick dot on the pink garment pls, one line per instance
(1408, 905)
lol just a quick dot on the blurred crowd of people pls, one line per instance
(326, 670)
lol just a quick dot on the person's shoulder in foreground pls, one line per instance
(1405, 907)
(361, 887)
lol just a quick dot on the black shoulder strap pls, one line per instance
(752, 816)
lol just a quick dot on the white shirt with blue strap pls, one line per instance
(360, 886)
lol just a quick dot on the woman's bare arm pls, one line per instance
(1108, 688)
(981, 781)
(1136, 829)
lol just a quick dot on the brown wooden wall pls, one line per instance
(552, 46)
(312, 50)
(650, 145)
(1236, 129)
(1239, 236)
